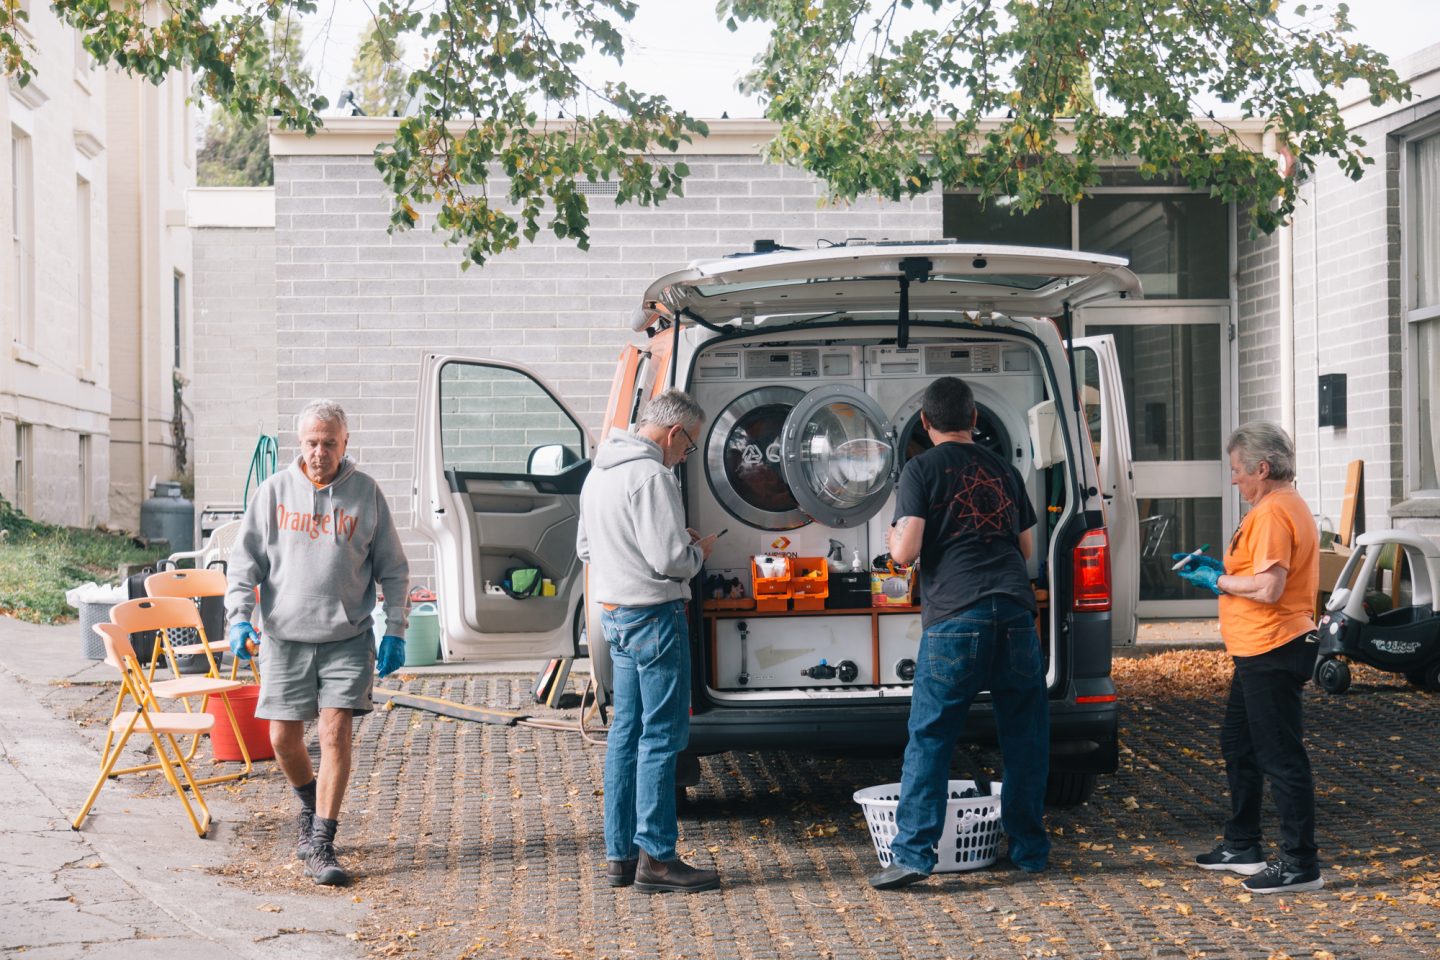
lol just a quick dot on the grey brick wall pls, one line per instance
(1349, 320)
(1257, 323)
(356, 307)
(233, 394)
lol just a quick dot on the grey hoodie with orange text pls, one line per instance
(316, 555)
(632, 526)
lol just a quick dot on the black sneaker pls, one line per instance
(1282, 877)
(306, 822)
(1246, 860)
(323, 868)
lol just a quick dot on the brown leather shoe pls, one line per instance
(620, 873)
(672, 876)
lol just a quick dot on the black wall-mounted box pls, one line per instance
(1332, 401)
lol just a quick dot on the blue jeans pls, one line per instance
(650, 655)
(991, 645)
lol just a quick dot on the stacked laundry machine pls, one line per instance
(804, 442)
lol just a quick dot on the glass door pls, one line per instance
(1174, 363)
(838, 455)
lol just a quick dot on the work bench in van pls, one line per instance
(809, 649)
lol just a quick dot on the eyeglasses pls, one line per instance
(692, 447)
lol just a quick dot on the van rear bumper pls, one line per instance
(1083, 737)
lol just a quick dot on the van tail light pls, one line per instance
(1092, 572)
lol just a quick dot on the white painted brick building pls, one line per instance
(94, 281)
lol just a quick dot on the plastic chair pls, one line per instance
(215, 551)
(182, 689)
(192, 585)
(162, 728)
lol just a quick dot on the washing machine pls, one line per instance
(1007, 381)
(837, 452)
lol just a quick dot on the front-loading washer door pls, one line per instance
(743, 461)
(838, 455)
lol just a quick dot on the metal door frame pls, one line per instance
(1178, 479)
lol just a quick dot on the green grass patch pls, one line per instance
(40, 561)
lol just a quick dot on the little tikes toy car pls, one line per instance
(1404, 640)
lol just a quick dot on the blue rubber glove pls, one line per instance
(391, 656)
(1205, 578)
(1196, 562)
(241, 634)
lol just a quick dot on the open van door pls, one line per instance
(1097, 369)
(499, 462)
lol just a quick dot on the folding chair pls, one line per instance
(162, 728)
(192, 585)
(183, 688)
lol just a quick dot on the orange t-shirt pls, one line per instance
(1278, 532)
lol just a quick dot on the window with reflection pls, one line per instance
(1171, 374)
(967, 220)
(1178, 244)
(1170, 526)
(496, 420)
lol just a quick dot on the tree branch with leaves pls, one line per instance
(484, 105)
(1028, 99)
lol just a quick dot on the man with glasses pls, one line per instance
(641, 560)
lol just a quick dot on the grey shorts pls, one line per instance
(298, 680)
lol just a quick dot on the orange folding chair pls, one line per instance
(192, 585)
(162, 727)
(182, 688)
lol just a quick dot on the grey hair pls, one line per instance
(326, 411)
(1264, 442)
(672, 408)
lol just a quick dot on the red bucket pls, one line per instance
(255, 731)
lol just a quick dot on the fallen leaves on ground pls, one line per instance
(1204, 675)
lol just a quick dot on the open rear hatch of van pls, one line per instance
(806, 285)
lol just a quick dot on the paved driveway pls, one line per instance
(485, 841)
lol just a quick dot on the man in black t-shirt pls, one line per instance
(964, 513)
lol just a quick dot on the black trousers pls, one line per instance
(1262, 739)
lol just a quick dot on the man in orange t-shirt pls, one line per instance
(1267, 589)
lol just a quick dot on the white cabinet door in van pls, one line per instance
(499, 462)
(1103, 398)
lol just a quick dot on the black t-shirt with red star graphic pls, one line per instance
(975, 507)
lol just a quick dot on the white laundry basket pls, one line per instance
(970, 840)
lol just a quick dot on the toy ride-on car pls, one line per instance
(1404, 640)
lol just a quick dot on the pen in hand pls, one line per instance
(1190, 556)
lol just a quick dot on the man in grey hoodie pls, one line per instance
(316, 539)
(641, 559)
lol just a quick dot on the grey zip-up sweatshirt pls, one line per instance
(316, 555)
(632, 526)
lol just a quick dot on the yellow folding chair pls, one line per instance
(163, 728)
(192, 585)
(182, 689)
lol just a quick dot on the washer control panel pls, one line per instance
(778, 362)
(937, 360)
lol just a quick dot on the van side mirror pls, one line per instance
(550, 460)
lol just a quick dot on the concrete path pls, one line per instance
(136, 873)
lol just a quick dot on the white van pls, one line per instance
(810, 365)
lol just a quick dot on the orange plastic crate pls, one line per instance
(770, 592)
(810, 582)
